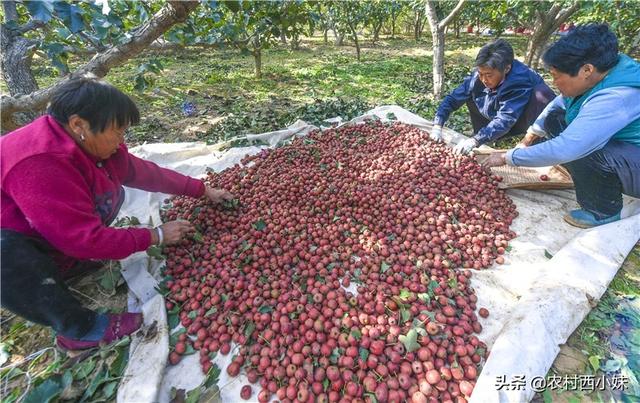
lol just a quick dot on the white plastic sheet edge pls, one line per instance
(561, 285)
(507, 339)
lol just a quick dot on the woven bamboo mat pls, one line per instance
(553, 177)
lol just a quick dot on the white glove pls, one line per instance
(436, 133)
(464, 147)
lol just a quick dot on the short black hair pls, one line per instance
(496, 55)
(94, 100)
(586, 44)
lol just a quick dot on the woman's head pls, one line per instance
(580, 59)
(494, 62)
(95, 113)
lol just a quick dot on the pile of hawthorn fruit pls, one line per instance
(338, 273)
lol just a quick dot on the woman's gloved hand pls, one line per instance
(465, 146)
(436, 133)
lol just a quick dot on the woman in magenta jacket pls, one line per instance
(61, 186)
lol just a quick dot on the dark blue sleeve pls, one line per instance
(453, 101)
(512, 106)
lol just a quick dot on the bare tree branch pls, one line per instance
(567, 12)
(443, 24)
(437, 40)
(546, 23)
(99, 47)
(432, 17)
(30, 26)
(171, 13)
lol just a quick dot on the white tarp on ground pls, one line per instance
(535, 302)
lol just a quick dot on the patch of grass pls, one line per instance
(609, 337)
(601, 320)
(221, 84)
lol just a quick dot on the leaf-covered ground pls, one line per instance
(314, 83)
(218, 91)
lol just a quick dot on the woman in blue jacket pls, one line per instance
(593, 128)
(503, 96)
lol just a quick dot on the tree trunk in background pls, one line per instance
(376, 32)
(15, 61)
(545, 25)
(17, 53)
(437, 37)
(456, 27)
(257, 57)
(171, 13)
(393, 24)
(355, 40)
(295, 42)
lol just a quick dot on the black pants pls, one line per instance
(603, 176)
(31, 287)
(540, 97)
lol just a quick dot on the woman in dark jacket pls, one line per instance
(503, 96)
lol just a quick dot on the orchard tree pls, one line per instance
(548, 16)
(438, 27)
(322, 19)
(498, 14)
(623, 18)
(295, 16)
(251, 27)
(54, 28)
(378, 12)
(419, 18)
(350, 17)
(395, 9)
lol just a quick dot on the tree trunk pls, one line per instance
(15, 61)
(257, 57)
(376, 32)
(171, 13)
(393, 24)
(283, 37)
(456, 28)
(295, 41)
(355, 40)
(633, 49)
(535, 49)
(545, 25)
(339, 38)
(326, 36)
(416, 27)
(437, 37)
(17, 53)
